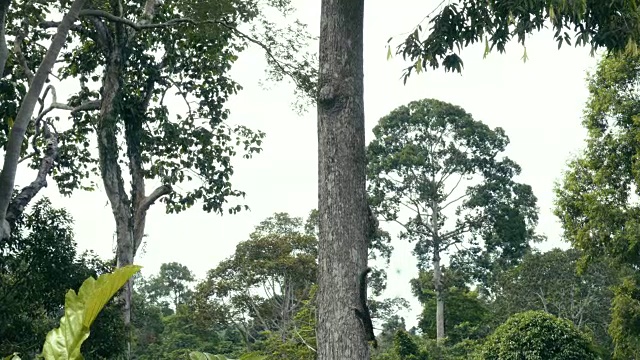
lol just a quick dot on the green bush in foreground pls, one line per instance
(537, 335)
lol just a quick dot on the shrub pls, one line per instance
(536, 335)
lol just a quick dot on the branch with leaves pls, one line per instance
(13, 149)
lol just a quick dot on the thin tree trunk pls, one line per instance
(341, 181)
(438, 281)
(4, 50)
(16, 137)
(112, 174)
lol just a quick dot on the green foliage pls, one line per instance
(147, 325)
(195, 355)
(170, 147)
(420, 154)
(405, 347)
(596, 200)
(165, 333)
(613, 25)
(80, 311)
(299, 340)
(466, 315)
(537, 335)
(38, 268)
(192, 57)
(551, 282)
(463, 350)
(390, 327)
(625, 323)
(278, 257)
(171, 283)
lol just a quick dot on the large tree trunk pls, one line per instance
(341, 183)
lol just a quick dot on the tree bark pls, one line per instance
(438, 281)
(4, 50)
(342, 198)
(129, 213)
(16, 137)
(111, 172)
(24, 197)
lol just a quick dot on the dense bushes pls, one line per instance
(536, 335)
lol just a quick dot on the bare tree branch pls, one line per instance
(295, 330)
(75, 27)
(20, 202)
(132, 24)
(457, 231)
(454, 201)
(140, 215)
(90, 105)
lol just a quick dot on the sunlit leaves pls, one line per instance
(80, 310)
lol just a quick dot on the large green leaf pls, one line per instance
(80, 310)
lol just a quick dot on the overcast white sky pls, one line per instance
(538, 103)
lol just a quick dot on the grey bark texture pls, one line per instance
(343, 206)
(438, 281)
(129, 213)
(4, 50)
(16, 137)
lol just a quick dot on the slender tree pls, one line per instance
(430, 157)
